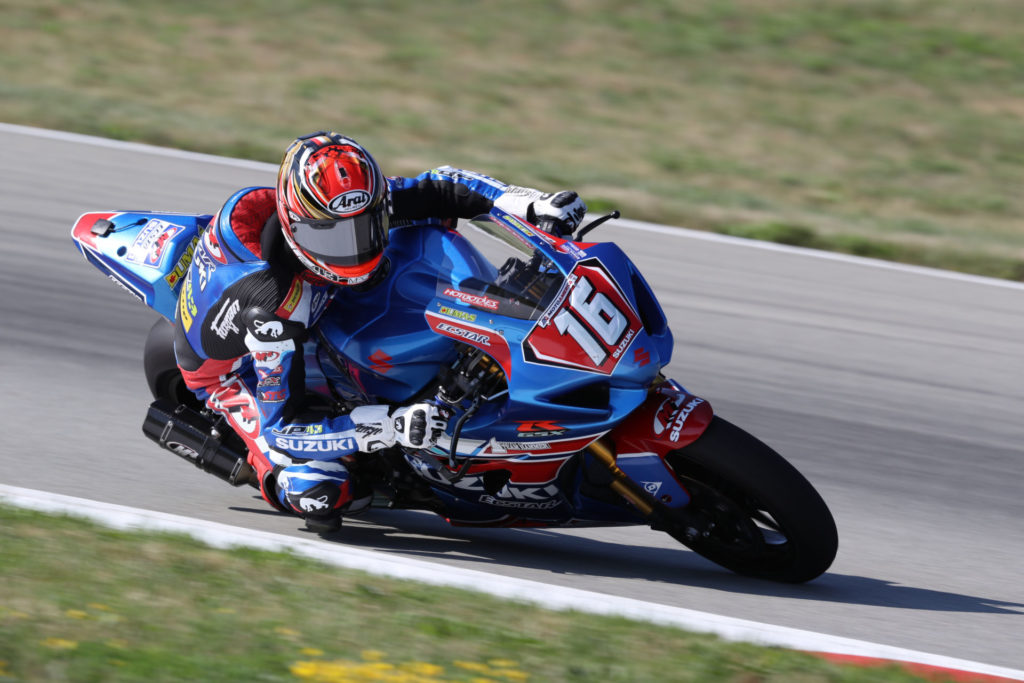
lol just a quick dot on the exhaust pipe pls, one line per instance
(191, 436)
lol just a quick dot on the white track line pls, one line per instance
(534, 592)
(78, 138)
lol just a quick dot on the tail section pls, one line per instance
(146, 254)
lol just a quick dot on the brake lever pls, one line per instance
(598, 221)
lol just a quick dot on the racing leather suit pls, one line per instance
(245, 309)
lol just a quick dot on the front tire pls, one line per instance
(762, 518)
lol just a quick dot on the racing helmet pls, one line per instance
(333, 202)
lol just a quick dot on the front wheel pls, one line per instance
(760, 516)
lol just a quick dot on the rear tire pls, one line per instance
(162, 373)
(765, 519)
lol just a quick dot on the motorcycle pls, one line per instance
(548, 354)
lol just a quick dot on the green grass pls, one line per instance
(896, 123)
(83, 603)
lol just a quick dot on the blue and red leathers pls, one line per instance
(243, 314)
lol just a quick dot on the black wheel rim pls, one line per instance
(738, 525)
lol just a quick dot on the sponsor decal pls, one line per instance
(298, 445)
(328, 275)
(224, 322)
(263, 373)
(663, 416)
(459, 174)
(680, 421)
(273, 396)
(348, 203)
(270, 381)
(624, 344)
(520, 504)
(149, 245)
(117, 281)
(270, 328)
(205, 266)
(186, 304)
(641, 356)
(212, 244)
(540, 428)
(472, 299)
(266, 359)
(672, 413)
(571, 249)
(474, 334)
(476, 338)
(235, 401)
(524, 228)
(496, 447)
(298, 429)
(528, 229)
(652, 487)
(181, 267)
(556, 303)
(182, 450)
(456, 313)
(531, 485)
(294, 294)
(520, 445)
(380, 361)
(319, 303)
(518, 492)
(314, 504)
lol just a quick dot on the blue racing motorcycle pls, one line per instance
(548, 354)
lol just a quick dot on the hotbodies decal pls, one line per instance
(588, 326)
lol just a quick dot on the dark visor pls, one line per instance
(345, 241)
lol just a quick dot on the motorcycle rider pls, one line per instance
(264, 272)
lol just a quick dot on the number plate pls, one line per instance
(589, 326)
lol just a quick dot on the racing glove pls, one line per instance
(415, 426)
(559, 213)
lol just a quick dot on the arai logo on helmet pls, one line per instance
(349, 202)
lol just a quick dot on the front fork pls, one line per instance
(669, 419)
(676, 521)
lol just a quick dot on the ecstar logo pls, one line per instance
(480, 338)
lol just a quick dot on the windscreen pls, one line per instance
(490, 268)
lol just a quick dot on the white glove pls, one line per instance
(415, 426)
(374, 428)
(558, 212)
(419, 425)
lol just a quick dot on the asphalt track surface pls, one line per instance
(897, 392)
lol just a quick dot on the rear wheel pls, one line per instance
(761, 517)
(162, 373)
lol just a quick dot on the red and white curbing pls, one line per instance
(534, 592)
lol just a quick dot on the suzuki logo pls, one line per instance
(379, 361)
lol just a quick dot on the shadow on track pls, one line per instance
(429, 537)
